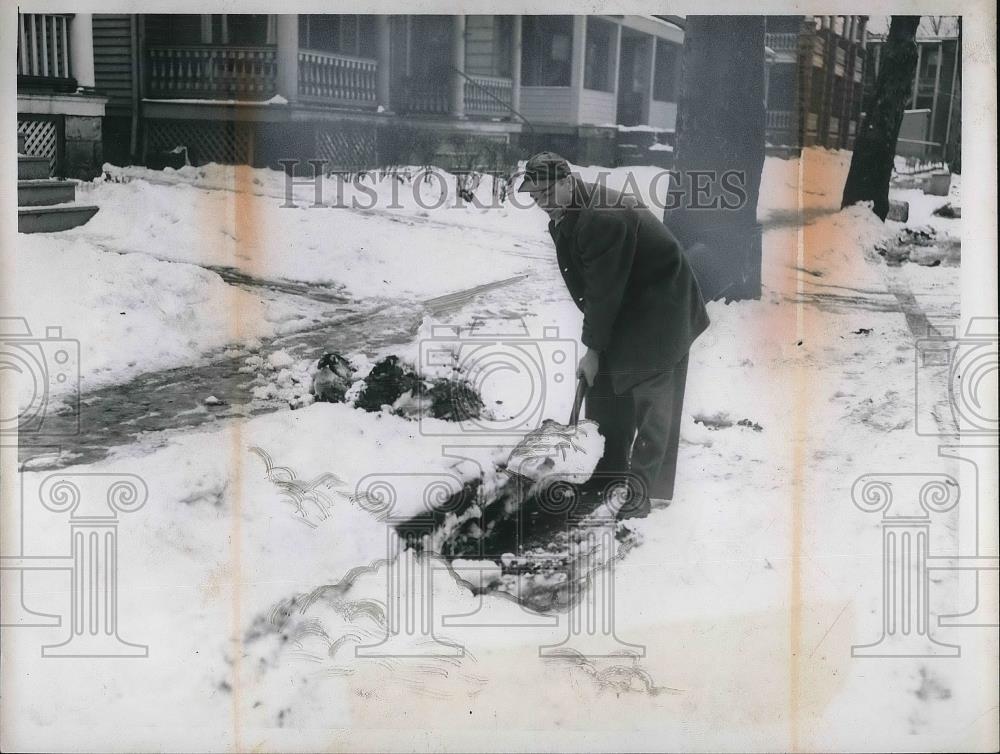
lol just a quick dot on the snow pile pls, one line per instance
(411, 237)
(132, 314)
(923, 207)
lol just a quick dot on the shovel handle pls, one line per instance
(581, 391)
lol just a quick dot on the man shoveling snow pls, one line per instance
(642, 310)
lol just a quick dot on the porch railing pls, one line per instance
(43, 45)
(212, 72)
(782, 42)
(425, 97)
(780, 120)
(477, 95)
(341, 79)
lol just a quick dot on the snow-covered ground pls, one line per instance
(747, 593)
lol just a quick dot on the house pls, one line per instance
(815, 80)
(59, 111)
(59, 119)
(364, 90)
(931, 129)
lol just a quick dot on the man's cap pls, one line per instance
(542, 169)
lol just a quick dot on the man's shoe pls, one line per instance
(634, 509)
(623, 501)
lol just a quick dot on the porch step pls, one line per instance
(32, 168)
(53, 219)
(42, 192)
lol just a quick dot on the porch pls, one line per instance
(454, 66)
(600, 70)
(59, 115)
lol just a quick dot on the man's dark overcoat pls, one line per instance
(641, 303)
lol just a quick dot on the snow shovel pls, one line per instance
(536, 442)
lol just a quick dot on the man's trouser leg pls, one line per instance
(614, 416)
(658, 413)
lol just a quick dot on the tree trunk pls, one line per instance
(875, 148)
(720, 130)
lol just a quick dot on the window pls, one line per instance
(929, 64)
(597, 62)
(173, 29)
(343, 33)
(503, 41)
(665, 75)
(247, 28)
(782, 87)
(546, 50)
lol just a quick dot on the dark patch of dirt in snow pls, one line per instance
(176, 398)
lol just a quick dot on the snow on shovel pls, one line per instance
(558, 452)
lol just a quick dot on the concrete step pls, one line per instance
(53, 219)
(45, 192)
(32, 168)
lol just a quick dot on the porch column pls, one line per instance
(81, 48)
(616, 57)
(288, 56)
(383, 54)
(515, 65)
(651, 84)
(456, 100)
(577, 56)
(206, 28)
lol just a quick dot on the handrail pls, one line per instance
(490, 94)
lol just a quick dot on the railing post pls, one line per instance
(457, 99)
(288, 56)
(81, 47)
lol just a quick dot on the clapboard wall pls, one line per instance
(115, 76)
(114, 68)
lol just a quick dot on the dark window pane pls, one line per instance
(597, 61)
(781, 87)
(546, 50)
(173, 28)
(503, 39)
(247, 28)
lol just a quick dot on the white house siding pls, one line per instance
(479, 45)
(548, 104)
(662, 114)
(597, 108)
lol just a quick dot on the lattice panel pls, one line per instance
(40, 140)
(347, 147)
(223, 142)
